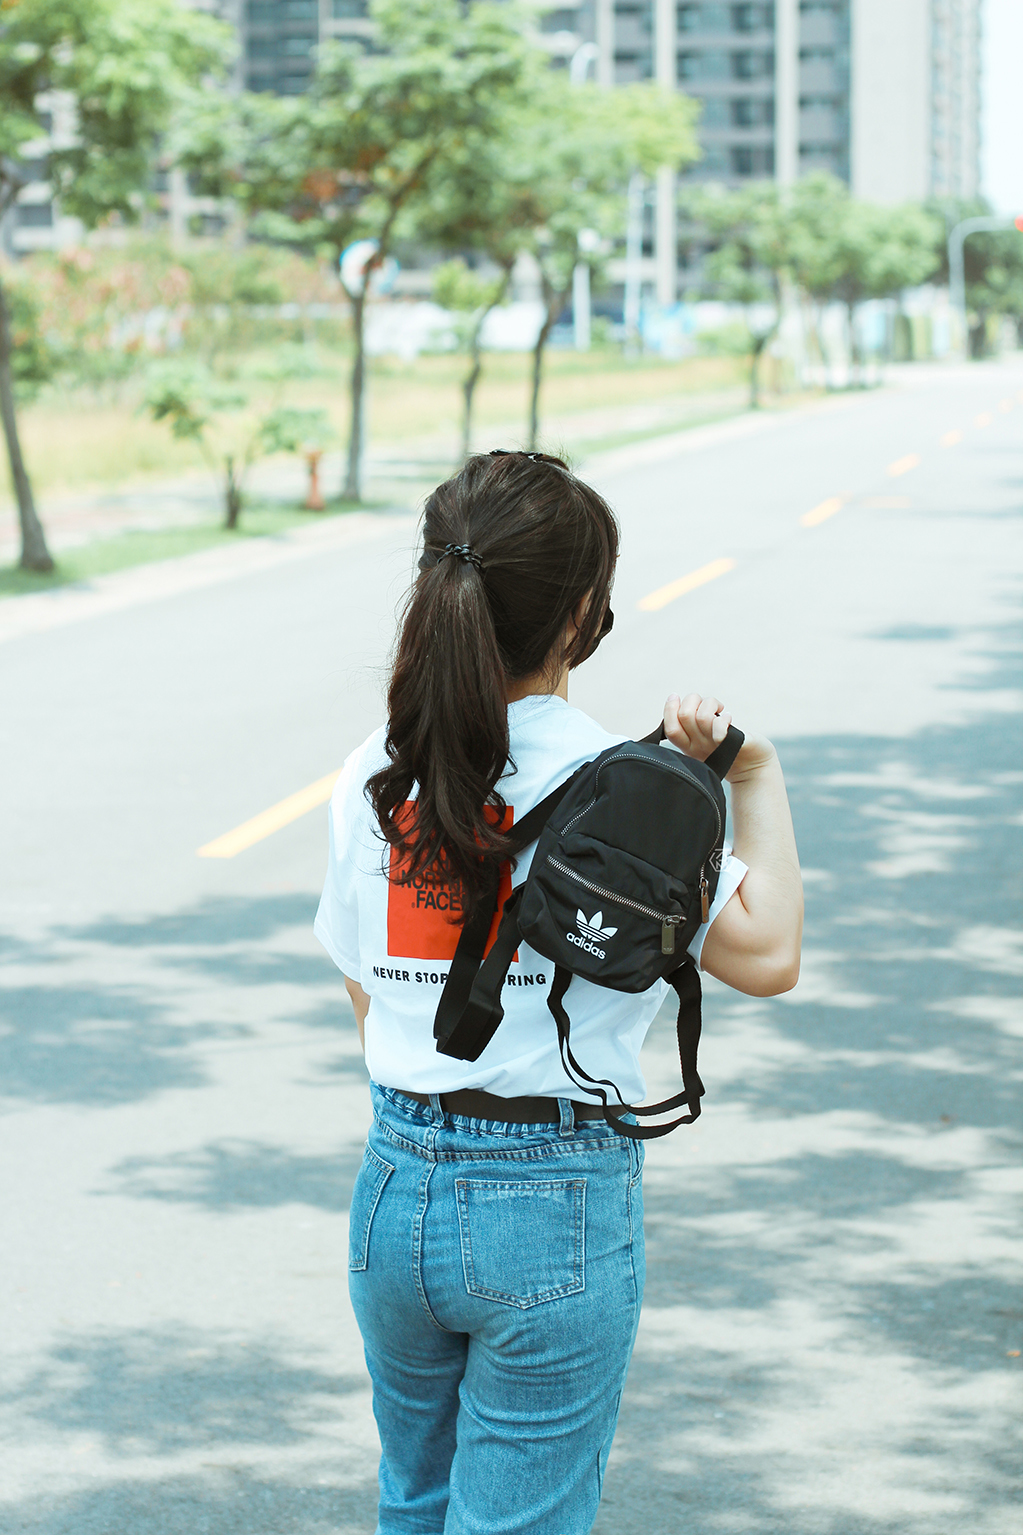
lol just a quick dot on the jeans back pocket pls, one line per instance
(522, 1243)
(369, 1186)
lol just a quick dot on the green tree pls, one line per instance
(201, 408)
(571, 157)
(126, 64)
(881, 251)
(846, 251)
(357, 156)
(470, 298)
(992, 267)
(750, 234)
(480, 204)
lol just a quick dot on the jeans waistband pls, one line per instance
(422, 1126)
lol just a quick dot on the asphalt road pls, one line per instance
(833, 1324)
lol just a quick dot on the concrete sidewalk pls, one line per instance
(396, 473)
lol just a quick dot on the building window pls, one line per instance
(752, 66)
(752, 18)
(560, 21)
(37, 169)
(715, 113)
(703, 66)
(752, 111)
(35, 215)
(753, 160)
(274, 12)
(715, 162)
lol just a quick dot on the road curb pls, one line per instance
(40, 611)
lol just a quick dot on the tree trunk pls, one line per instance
(754, 372)
(34, 553)
(476, 368)
(555, 303)
(232, 496)
(472, 378)
(856, 361)
(353, 477)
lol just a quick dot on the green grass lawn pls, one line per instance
(104, 555)
(76, 439)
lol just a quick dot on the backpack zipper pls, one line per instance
(672, 768)
(669, 923)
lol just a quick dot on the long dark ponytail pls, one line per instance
(513, 546)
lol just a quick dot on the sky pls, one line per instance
(1002, 105)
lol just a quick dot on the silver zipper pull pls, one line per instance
(668, 927)
(704, 899)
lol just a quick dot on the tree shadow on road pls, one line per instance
(832, 1307)
(242, 1174)
(113, 1011)
(182, 1392)
(223, 1500)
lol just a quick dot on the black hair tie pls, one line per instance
(537, 458)
(464, 552)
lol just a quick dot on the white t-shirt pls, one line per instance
(397, 941)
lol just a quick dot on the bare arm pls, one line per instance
(360, 1002)
(753, 944)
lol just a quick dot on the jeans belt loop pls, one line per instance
(567, 1125)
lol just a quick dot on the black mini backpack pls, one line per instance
(624, 873)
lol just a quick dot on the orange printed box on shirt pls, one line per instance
(424, 911)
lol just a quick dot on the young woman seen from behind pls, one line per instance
(496, 1238)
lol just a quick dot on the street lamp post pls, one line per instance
(579, 67)
(956, 265)
(634, 258)
(579, 64)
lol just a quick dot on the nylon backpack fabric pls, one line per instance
(625, 870)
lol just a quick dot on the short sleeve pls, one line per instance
(337, 917)
(733, 872)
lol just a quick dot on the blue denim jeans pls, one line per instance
(496, 1272)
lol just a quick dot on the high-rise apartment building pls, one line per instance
(278, 38)
(883, 93)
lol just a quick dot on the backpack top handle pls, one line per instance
(720, 759)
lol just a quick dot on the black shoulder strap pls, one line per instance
(686, 981)
(720, 759)
(460, 1029)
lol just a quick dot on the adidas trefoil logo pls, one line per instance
(592, 928)
(593, 935)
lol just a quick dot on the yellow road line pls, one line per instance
(984, 419)
(665, 594)
(904, 465)
(822, 512)
(269, 821)
(951, 438)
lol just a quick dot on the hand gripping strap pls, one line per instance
(720, 759)
(686, 981)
